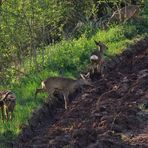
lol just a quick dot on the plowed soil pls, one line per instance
(112, 113)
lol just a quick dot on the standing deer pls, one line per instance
(125, 13)
(97, 58)
(63, 85)
(7, 104)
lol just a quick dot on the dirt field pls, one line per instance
(113, 113)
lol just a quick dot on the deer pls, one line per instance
(96, 58)
(125, 13)
(63, 85)
(7, 104)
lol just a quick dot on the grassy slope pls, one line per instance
(66, 58)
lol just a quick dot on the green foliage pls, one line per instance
(27, 26)
(66, 58)
(23, 68)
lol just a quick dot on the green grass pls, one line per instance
(66, 58)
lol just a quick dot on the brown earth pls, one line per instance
(113, 113)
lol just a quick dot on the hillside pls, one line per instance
(42, 39)
(111, 113)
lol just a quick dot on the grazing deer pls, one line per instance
(7, 104)
(125, 13)
(96, 57)
(63, 85)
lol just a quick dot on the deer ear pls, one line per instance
(81, 75)
(87, 75)
(96, 42)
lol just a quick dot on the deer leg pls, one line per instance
(101, 68)
(3, 115)
(39, 90)
(97, 67)
(92, 69)
(7, 114)
(50, 93)
(66, 99)
(10, 116)
(102, 71)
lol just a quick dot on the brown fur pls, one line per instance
(63, 85)
(125, 13)
(97, 63)
(7, 104)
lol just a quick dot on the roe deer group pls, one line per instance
(7, 104)
(97, 58)
(125, 13)
(63, 85)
